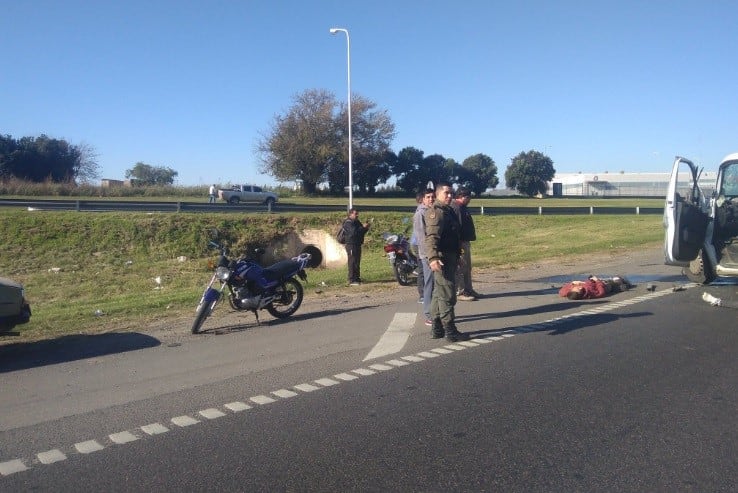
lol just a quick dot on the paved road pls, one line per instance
(633, 393)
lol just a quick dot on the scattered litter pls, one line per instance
(129, 262)
(712, 299)
(322, 283)
(157, 280)
(651, 287)
(55, 270)
(182, 258)
(99, 313)
(678, 288)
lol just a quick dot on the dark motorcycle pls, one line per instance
(252, 287)
(404, 263)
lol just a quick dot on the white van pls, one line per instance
(702, 232)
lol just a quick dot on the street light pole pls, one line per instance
(334, 30)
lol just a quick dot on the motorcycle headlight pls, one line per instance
(222, 273)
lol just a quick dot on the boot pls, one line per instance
(436, 329)
(453, 335)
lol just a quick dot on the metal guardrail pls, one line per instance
(132, 206)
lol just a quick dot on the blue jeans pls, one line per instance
(427, 287)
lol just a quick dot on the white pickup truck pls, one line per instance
(247, 193)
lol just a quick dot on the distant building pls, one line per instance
(108, 183)
(621, 184)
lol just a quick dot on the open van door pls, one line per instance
(685, 219)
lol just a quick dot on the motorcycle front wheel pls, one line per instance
(402, 276)
(287, 299)
(204, 310)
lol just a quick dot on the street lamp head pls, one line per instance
(334, 30)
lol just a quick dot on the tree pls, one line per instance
(145, 174)
(303, 144)
(478, 173)
(86, 168)
(42, 158)
(414, 171)
(372, 132)
(529, 173)
(310, 143)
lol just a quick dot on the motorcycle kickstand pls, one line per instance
(256, 314)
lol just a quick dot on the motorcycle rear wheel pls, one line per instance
(287, 299)
(402, 276)
(203, 311)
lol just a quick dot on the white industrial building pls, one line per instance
(621, 184)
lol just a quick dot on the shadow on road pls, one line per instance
(273, 322)
(24, 355)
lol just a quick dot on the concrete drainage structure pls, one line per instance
(324, 248)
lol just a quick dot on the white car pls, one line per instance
(702, 232)
(14, 308)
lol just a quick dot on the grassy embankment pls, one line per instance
(108, 261)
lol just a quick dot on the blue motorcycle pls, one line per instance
(252, 287)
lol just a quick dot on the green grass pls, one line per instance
(108, 261)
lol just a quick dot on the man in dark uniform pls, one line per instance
(443, 245)
(355, 232)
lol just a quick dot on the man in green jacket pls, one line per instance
(443, 245)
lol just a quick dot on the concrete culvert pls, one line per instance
(316, 256)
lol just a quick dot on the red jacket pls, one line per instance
(592, 288)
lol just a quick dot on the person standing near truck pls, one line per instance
(211, 194)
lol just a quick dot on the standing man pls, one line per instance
(468, 234)
(211, 194)
(355, 232)
(442, 245)
(425, 275)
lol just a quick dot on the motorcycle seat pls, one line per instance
(279, 270)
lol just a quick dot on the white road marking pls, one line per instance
(441, 350)
(306, 387)
(237, 406)
(455, 347)
(183, 421)
(262, 399)
(211, 413)
(397, 362)
(346, 377)
(154, 429)
(428, 354)
(363, 372)
(395, 337)
(327, 382)
(123, 437)
(380, 367)
(12, 466)
(51, 456)
(88, 447)
(413, 359)
(284, 393)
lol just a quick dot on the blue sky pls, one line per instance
(599, 86)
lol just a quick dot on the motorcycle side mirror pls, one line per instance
(259, 251)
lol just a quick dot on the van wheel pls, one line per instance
(699, 270)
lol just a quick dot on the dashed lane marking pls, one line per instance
(19, 465)
(156, 428)
(51, 456)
